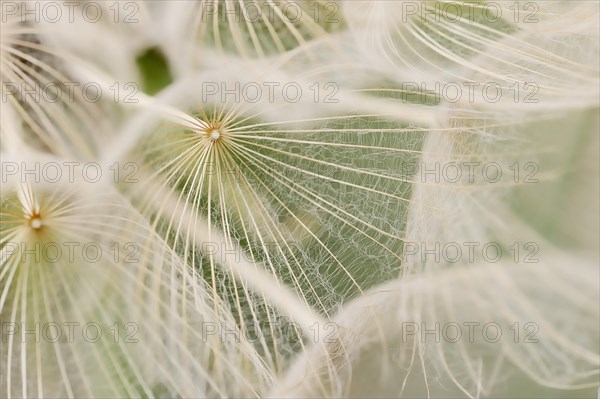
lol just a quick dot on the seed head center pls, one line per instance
(214, 134)
(36, 223)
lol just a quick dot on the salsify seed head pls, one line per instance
(281, 195)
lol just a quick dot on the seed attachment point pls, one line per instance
(214, 134)
(36, 223)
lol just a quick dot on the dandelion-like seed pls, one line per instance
(42, 99)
